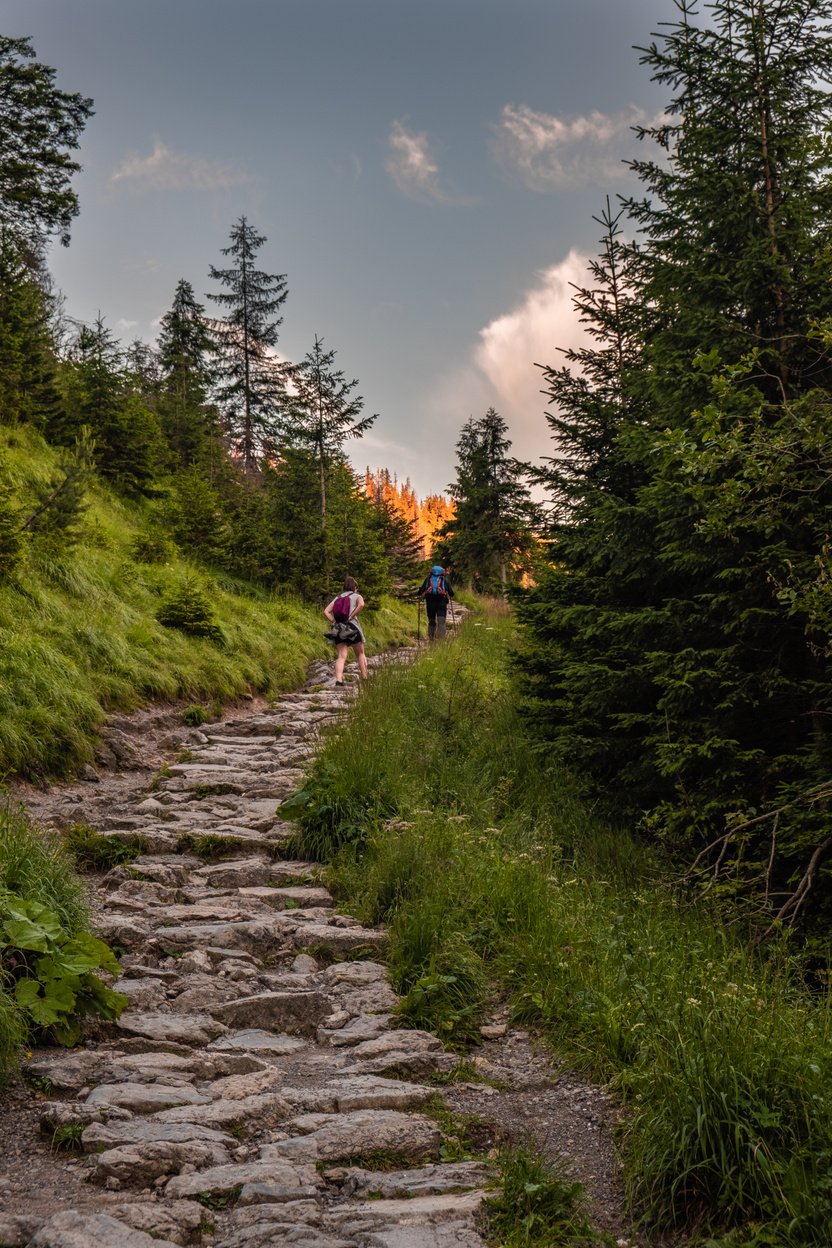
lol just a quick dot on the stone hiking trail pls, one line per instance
(256, 1090)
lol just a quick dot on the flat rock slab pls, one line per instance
(145, 1098)
(255, 1040)
(265, 1109)
(364, 1133)
(336, 939)
(180, 1221)
(289, 1182)
(452, 1235)
(190, 1029)
(101, 1135)
(450, 1212)
(92, 1230)
(287, 897)
(356, 1031)
(152, 1065)
(257, 937)
(292, 1012)
(434, 1180)
(255, 870)
(139, 1164)
(270, 1234)
(371, 1092)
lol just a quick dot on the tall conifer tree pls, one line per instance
(326, 413)
(249, 378)
(185, 349)
(488, 539)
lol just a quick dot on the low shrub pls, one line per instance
(188, 608)
(195, 715)
(151, 546)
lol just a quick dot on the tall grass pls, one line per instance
(79, 634)
(440, 819)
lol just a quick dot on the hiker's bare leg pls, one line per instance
(362, 660)
(340, 661)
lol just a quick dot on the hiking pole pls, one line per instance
(453, 617)
(418, 622)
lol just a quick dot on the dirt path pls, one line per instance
(255, 1092)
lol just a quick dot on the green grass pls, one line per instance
(93, 852)
(79, 634)
(538, 1205)
(440, 819)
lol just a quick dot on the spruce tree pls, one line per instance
(28, 390)
(185, 349)
(488, 540)
(249, 377)
(100, 396)
(325, 413)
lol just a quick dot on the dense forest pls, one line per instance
(678, 640)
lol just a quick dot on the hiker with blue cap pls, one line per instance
(437, 592)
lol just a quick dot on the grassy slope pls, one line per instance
(440, 820)
(78, 633)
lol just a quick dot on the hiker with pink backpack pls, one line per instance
(346, 631)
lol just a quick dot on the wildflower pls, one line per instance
(731, 990)
(694, 1001)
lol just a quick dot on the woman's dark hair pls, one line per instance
(350, 584)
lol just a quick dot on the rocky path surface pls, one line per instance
(256, 1090)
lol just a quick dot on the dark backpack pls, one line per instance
(342, 607)
(436, 585)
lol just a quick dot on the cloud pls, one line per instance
(548, 153)
(123, 325)
(167, 170)
(500, 370)
(411, 165)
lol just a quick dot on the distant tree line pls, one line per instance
(677, 647)
(242, 451)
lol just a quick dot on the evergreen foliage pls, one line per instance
(185, 349)
(39, 127)
(10, 525)
(27, 357)
(60, 499)
(676, 650)
(249, 378)
(488, 540)
(324, 415)
(187, 607)
(100, 395)
(312, 560)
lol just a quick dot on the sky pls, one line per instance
(425, 172)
